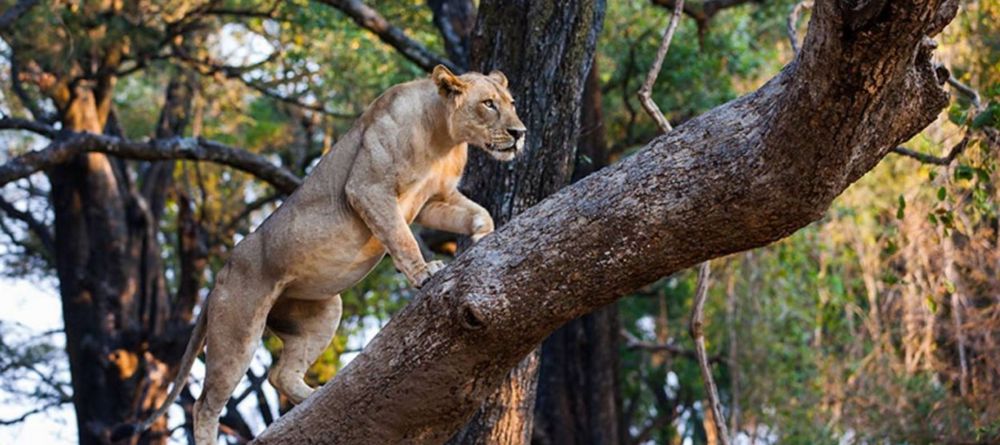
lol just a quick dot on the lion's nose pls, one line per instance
(516, 133)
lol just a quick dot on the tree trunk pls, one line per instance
(741, 176)
(579, 400)
(122, 338)
(546, 52)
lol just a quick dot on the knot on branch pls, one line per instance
(476, 311)
(470, 317)
(470, 314)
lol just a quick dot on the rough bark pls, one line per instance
(740, 176)
(123, 335)
(455, 20)
(578, 399)
(546, 51)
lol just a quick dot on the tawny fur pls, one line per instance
(400, 163)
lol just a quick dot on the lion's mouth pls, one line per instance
(503, 148)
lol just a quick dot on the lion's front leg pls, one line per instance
(457, 214)
(371, 193)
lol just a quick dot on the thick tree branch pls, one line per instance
(741, 176)
(197, 149)
(370, 19)
(10, 15)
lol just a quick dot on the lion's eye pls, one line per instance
(489, 104)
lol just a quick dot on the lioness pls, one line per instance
(400, 163)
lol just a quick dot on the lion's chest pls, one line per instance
(441, 177)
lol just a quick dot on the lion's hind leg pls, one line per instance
(235, 323)
(305, 327)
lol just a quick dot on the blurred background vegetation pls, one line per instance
(879, 323)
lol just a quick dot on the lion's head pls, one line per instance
(482, 111)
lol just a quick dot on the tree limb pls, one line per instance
(956, 150)
(793, 23)
(741, 176)
(15, 12)
(631, 342)
(33, 411)
(698, 335)
(646, 91)
(197, 149)
(13, 123)
(35, 226)
(701, 356)
(370, 19)
(209, 68)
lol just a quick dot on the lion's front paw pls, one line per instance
(482, 225)
(430, 269)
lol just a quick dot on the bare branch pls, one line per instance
(17, 86)
(35, 226)
(13, 123)
(209, 68)
(15, 12)
(697, 322)
(371, 20)
(40, 409)
(157, 150)
(646, 91)
(249, 208)
(971, 93)
(935, 160)
(645, 95)
(631, 342)
(793, 23)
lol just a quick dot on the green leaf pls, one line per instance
(901, 210)
(964, 172)
(931, 304)
(942, 193)
(990, 117)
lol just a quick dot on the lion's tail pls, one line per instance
(194, 347)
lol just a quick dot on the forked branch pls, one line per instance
(646, 91)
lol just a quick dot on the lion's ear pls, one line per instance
(498, 76)
(447, 82)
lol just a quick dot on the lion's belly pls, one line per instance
(330, 268)
(322, 252)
